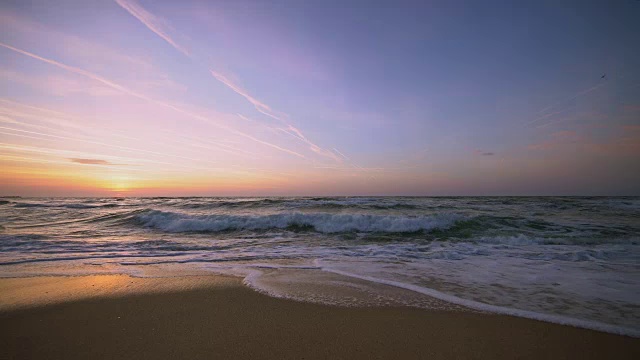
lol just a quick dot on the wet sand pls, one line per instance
(100, 317)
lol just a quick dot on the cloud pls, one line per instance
(89, 51)
(154, 23)
(124, 148)
(260, 106)
(266, 110)
(96, 55)
(76, 71)
(160, 27)
(92, 161)
(144, 97)
(484, 153)
(291, 130)
(58, 85)
(341, 154)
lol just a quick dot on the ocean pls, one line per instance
(569, 260)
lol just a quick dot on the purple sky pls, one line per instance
(171, 98)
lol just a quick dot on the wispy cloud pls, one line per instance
(96, 55)
(25, 113)
(22, 115)
(89, 51)
(92, 161)
(260, 106)
(141, 164)
(123, 148)
(267, 110)
(484, 153)
(341, 154)
(58, 85)
(77, 71)
(293, 131)
(144, 97)
(154, 23)
(208, 143)
(161, 28)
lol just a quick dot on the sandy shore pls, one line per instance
(99, 317)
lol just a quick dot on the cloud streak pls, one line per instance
(484, 153)
(86, 50)
(22, 112)
(92, 161)
(341, 154)
(124, 148)
(160, 28)
(58, 85)
(260, 106)
(268, 111)
(154, 23)
(144, 97)
(71, 154)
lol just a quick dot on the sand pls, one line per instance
(208, 317)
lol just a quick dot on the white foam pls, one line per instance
(322, 222)
(557, 319)
(253, 273)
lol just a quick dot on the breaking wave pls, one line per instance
(571, 257)
(320, 222)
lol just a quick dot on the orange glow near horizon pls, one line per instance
(156, 99)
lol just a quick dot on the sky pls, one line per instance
(257, 98)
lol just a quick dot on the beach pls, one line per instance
(319, 180)
(117, 316)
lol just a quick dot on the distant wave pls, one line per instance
(60, 205)
(357, 203)
(321, 222)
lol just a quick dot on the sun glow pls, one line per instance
(119, 183)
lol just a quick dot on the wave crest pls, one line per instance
(321, 222)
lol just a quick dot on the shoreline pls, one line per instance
(502, 310)
(108, 316)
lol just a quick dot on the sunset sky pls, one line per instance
(182, 98)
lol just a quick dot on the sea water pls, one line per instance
(570, 260)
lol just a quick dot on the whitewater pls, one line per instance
(569, 260)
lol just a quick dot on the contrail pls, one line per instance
(60, 119)
(579, 94)
(341, 154)
(125, 148)
(150, 21)
(62, 152)
(140, 96)
(548, 116)
(171, 166)
(217, 146)
(154, 24)
(260, 106)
